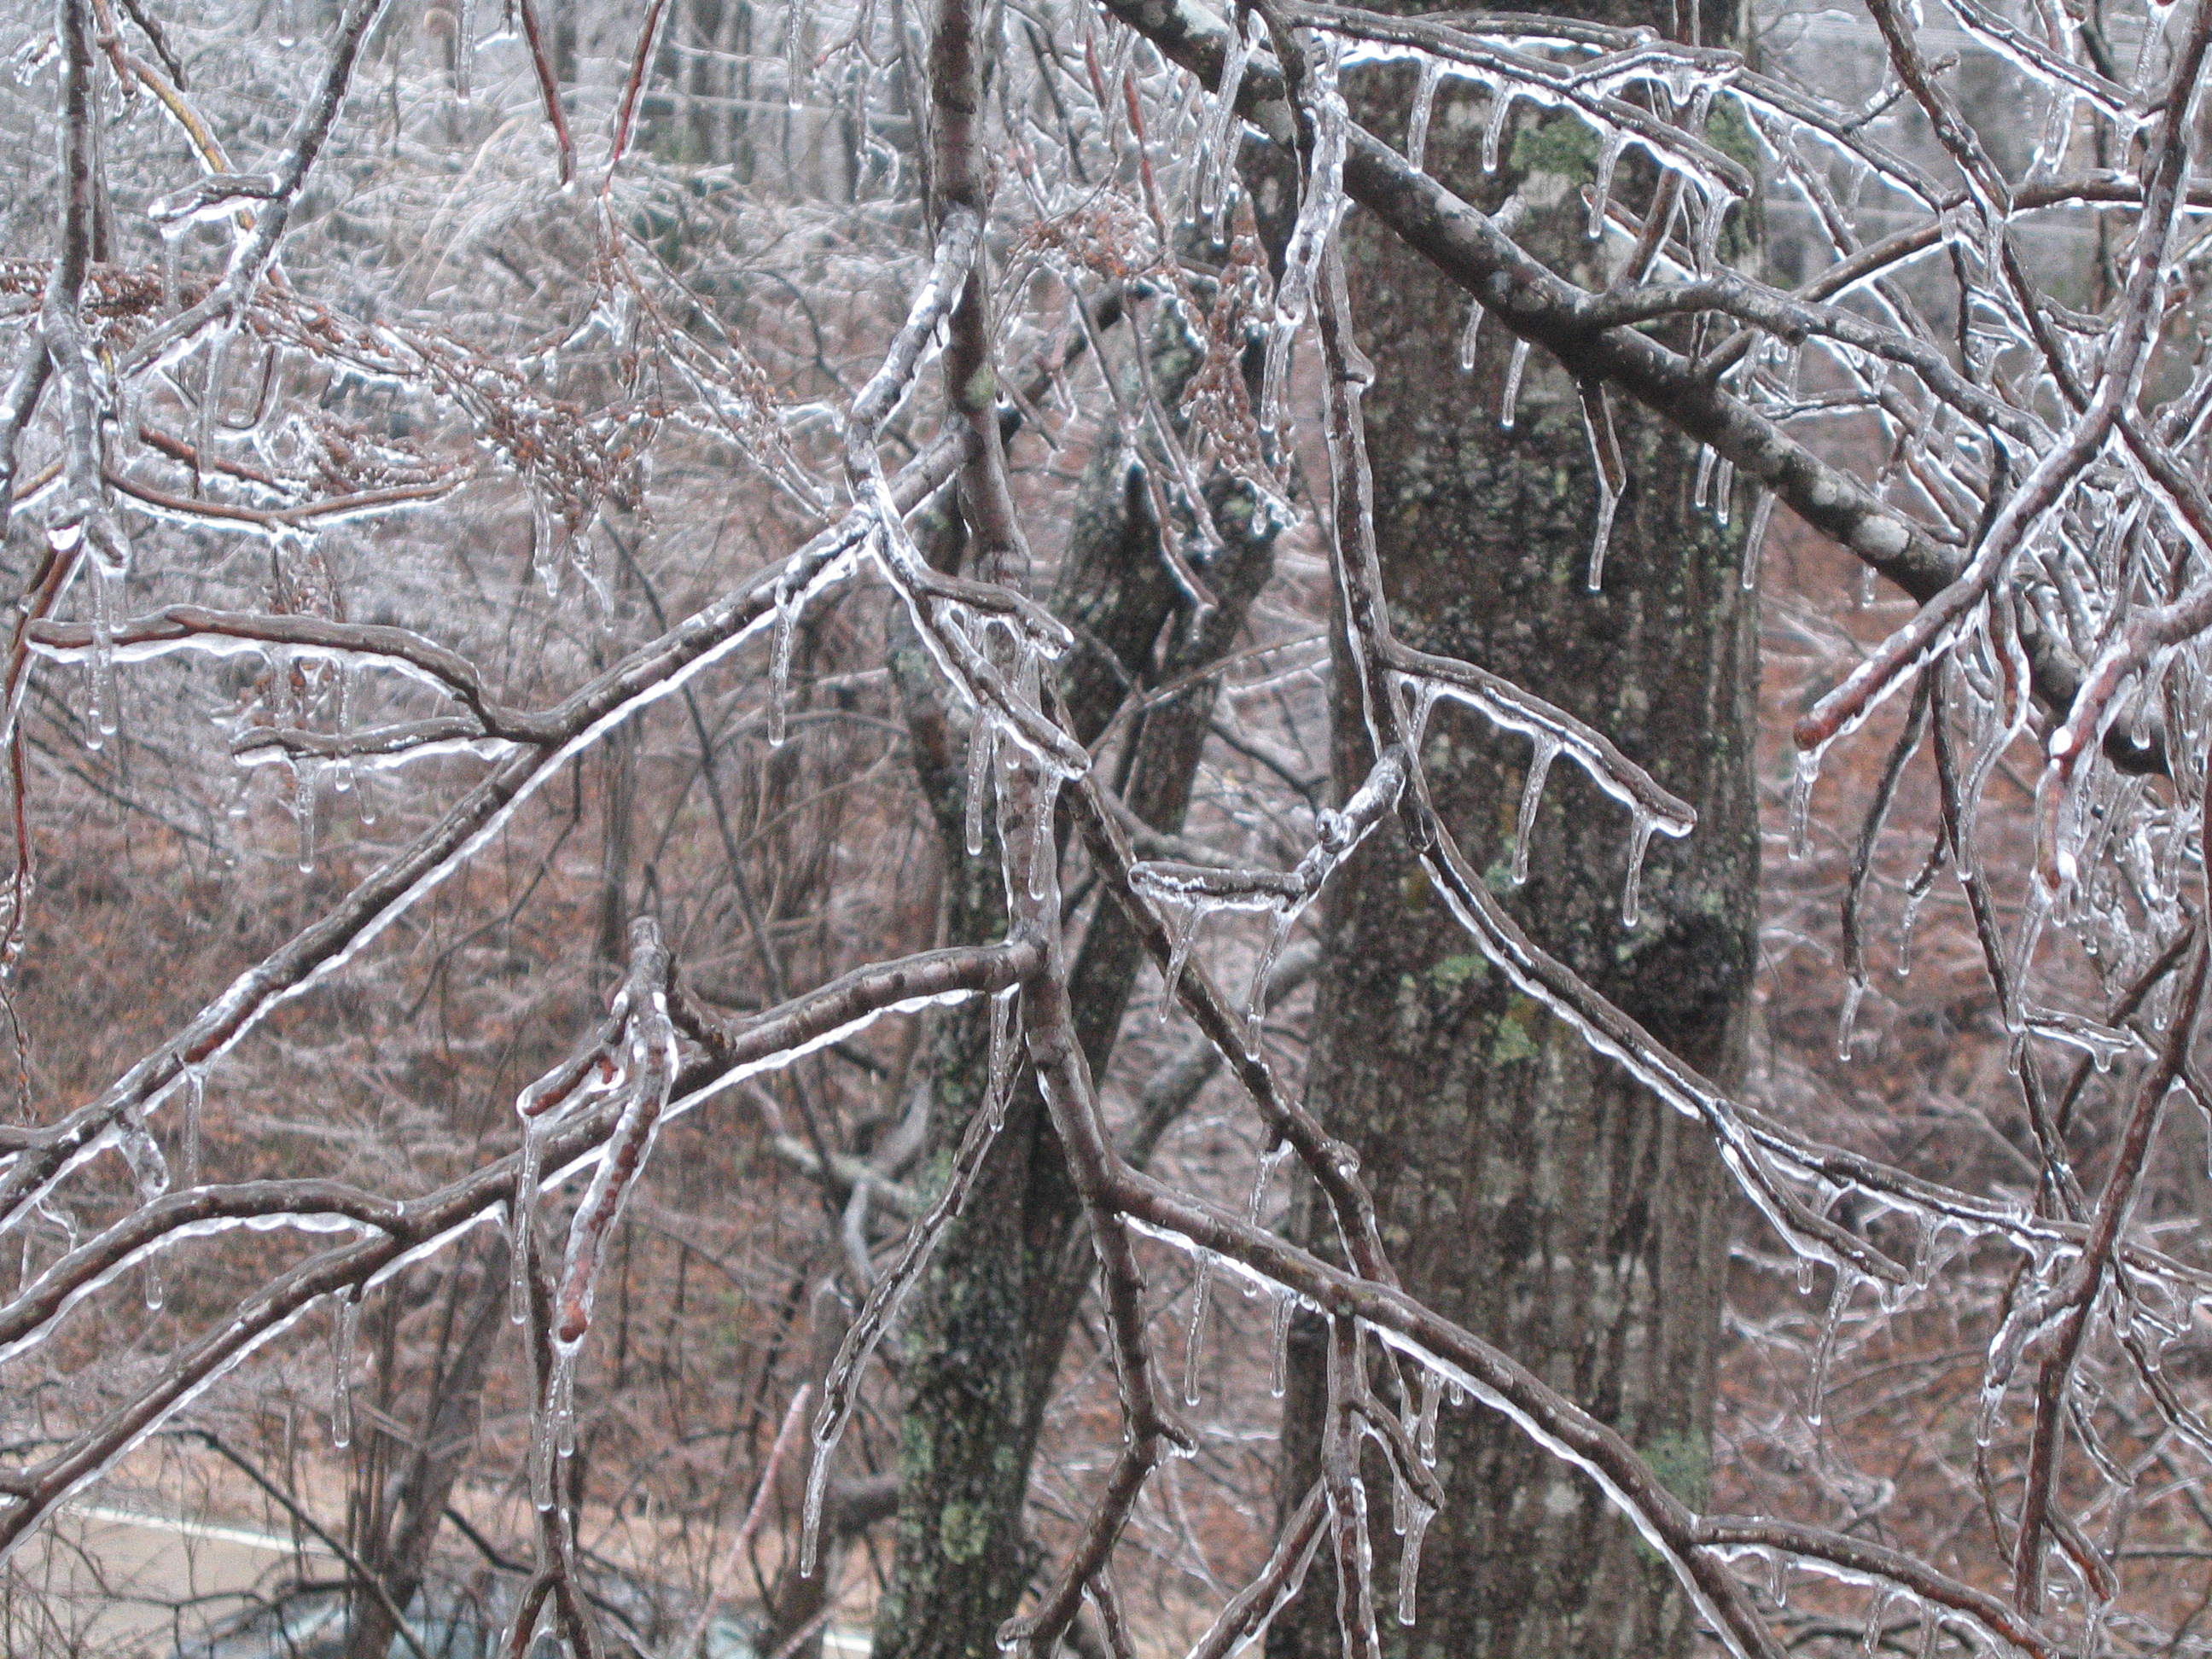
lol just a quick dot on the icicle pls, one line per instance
(2035, 911)
(1854, 993)
(1607, 503)
(218, 348)
(1470, 336)
(1723, 491)
(172, 236)
(1754, 540)
(288, 24)
(1409, 1555)
(1224, 133)
(1872, 1637)
(1255, 1002)
(464, 47)
(541, 1463)
(1275, 373)
(1702, 492)
(1425, 99)
(1639, 841)
(1801, 801)
(1805, 1265)
(545, 556)
(1044, 844)
(521, 1220)
(195, 1102)
(1706, 246)
(788, 602)
(1825, 1350)
(149, 1170)
(1532, 797)
(1280, 1343)
(157, 1297)
(1005, 1056)
(1493, 133)
(342, 1370)
(982, 741)
(342, 768)
(810, 1517)
(1778, 1587)
(1510, 403)
(303, 809)
(794, 51)
(106, 603)
(1190, 1349)
(1608, 158)
(1183, 928)
(1424, 1433)
(562, 1403)
(1913, 900)
(1269, 1162)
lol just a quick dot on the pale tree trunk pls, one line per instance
(1525, 1188)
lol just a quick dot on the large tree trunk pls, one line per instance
(1526, 1187)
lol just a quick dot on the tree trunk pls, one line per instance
(1525, 1185)
(995, 1308)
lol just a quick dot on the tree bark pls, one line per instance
(1525, 1187)
(996, 1306)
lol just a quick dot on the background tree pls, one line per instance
(1522, 1183)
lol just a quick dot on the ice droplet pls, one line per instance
(1702, 491)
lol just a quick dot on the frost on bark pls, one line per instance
(1523, 1183)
